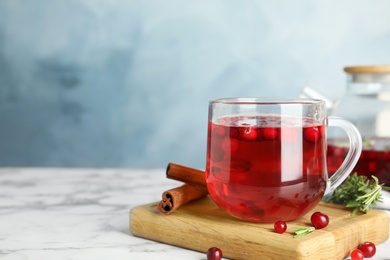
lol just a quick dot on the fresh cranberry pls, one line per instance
(248, 133)
(312, 134)
(319, 220)
(368, 249)
(270, 133)
(280, 227)
(214, 253)
(357, 254)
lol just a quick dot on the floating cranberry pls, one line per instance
(312, 134)
(214, 253)
(357, 254)
(319, 220)
(270, 133)
(248, 133)
(280, 227)
(368, 249)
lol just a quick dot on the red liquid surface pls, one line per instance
(266, 169)
(374, 159)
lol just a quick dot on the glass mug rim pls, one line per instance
(266, 101)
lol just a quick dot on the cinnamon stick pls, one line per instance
(185, 174)
(194, 188)
(176, 197)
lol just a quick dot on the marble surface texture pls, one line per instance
(62, 213)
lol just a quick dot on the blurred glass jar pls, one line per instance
(367, 105)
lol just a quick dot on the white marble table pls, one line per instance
(84, 214)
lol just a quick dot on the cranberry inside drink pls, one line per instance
(374, 159)
(266, 168)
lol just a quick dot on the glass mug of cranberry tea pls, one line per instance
(266, 158)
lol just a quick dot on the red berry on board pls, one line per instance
(357, 254)
(280, 227)
(312, 134)
(319, 220)
(214, 253)
(368, 249)
(270, 133)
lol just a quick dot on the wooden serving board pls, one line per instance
(200, 225)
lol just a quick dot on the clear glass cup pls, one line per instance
(266, 158)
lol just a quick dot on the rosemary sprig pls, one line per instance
(302, 231)
(358, 192)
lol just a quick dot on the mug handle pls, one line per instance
(355, 149)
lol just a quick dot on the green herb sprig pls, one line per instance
(302, 231)
(358, 192)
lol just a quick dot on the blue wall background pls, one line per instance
(127, 83)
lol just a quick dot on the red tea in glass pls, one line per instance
(374, 159)
(262, 167)
(266, 160)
